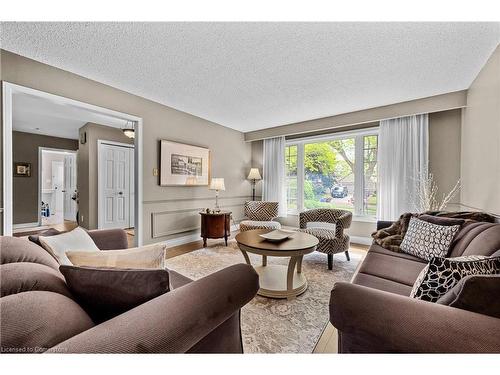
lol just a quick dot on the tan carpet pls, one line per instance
(276, 325)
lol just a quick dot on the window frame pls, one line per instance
(359, 178)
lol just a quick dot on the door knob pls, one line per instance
(120, 192)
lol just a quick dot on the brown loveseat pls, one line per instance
(374, 314)
(39, 314)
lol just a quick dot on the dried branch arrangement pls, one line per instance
(427, 196)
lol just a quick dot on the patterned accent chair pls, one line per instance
(260, 215)
(331, 241)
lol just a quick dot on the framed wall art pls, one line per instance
(183, 165)
(22, 169)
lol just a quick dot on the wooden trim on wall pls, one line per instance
(155, 215)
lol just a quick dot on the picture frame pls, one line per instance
(183, 164)
(22, 169)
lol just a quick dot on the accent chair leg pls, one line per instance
(330, 261)
(347, 256)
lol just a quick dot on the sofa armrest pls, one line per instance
(382, 224)
(371, 320)
(173, 322)
(109, 239)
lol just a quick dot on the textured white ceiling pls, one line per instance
(31, 114)
(250, 76)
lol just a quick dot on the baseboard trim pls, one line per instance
(189, 238)
(361, 240)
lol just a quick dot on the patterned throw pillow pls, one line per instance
(426, 240)
(442, 274)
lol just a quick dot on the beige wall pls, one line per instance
(480, 166)
(87, 169)
(258, 162)
(25, 189)
(444, 151)
(444, 162)
(346, 121)
(167, 211)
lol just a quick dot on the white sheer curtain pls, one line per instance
(403, 155)
(273, 188)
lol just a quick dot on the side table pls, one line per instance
(215, 225)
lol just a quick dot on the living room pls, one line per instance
(269, 187)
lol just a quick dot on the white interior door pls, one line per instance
(58, 186)
(69, 187)
(114, 186)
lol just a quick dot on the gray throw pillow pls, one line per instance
(426, 240)
(442, 274)
(107, 292)
(476, 293)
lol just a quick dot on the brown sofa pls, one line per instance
(39, 314)
(373, 313)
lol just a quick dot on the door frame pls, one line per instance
(40, 150)
(8, 90)
(99, 170)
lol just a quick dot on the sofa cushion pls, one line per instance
(36, 321)
(381, 284)
(442, 274)
(426, 240)
(476, 239)
(149, 256)
(476, 293)
(15, 250)
(380, 250)
(441, 220)
(109, 239)
(105, 293)
(25, 277)
(58, 245)
(397, 269)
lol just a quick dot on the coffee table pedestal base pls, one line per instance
(273, 282)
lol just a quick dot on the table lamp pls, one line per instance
(217, 184)
(254, 175)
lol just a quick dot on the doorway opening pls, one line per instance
(50, 164)
(57, 189)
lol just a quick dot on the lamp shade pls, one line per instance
(129, 133)
(254, 174)
(217, 184)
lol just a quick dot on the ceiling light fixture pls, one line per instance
(129, 132)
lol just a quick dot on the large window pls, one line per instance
(334, 172)
(291, 176)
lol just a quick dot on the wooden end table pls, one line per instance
(276, 280)
(215, 225)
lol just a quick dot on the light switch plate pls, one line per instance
(155, 172)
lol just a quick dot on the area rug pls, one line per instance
(276, 325)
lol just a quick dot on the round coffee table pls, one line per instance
(276, 280)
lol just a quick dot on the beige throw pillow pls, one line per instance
(151, 256)
(58, 245)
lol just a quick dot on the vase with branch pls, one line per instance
(427, 197)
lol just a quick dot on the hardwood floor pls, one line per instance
(328, 341)
(62, 227)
